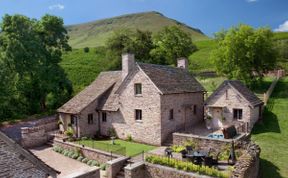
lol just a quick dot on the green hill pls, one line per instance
(281, 35)
(96, 33)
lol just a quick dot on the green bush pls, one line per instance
(69, 132)
(80, 158)
(86, 49)
(89, 162)
(85, 160)
(84, 138)
(66, 152)
(194, 145)
(185, 166)
(95, 163)
(129, 138)
(75, 156)
(103, 167)
(177, 148)
(70, 154)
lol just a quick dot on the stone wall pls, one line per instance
(205, 142)
(99, 155)
(247, 166)
(33, 136)
(183, 106)
(135, 170)
(114, 166)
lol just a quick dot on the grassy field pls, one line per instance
(200, 60)
(96, 33)
(83, 68)
(280, 35)
(272, 134)
(132, 148)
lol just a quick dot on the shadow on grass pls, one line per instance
(268, 169)
(269, 124)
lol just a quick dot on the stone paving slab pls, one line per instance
(65, 165)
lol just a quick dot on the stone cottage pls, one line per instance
(233, 104)
(145, 101)
(16, 161)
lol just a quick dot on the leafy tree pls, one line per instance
(32, 49)
(244, 53)
(170, 44)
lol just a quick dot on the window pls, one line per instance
(194, 109)
(237, 114)
(171, 114)
(138, 89)
(72, 119)
(90, 118)
(138, 115)
(104, 117)
(226, 94)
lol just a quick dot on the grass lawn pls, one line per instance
(272, 134)
(132, 148)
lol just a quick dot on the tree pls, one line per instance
(244, 53)
(32, 49)
(170, 44)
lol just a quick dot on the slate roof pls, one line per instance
(171, 80)
(241, 88)
(104, 82)
(15, 161)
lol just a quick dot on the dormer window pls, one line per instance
(138, 88)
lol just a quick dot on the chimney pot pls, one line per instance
(182, 63)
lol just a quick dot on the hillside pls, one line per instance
(95, 33)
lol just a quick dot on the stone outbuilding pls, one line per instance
(16, 161)
(145, 101)
(233, 104)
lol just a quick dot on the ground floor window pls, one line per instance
(90, 118)
(138, 114)
(73, 120)
(237, 113)
(104, 117)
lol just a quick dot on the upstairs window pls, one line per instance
(90, 118)
(138, 115)
(138, 88)
(171, 114)
(104, 117)
(237, 114)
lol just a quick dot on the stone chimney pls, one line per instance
(182, 63)
(128, 64)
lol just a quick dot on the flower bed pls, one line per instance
(75, 154)
(186, 166)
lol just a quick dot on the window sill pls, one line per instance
(139, 121)
(138, 95)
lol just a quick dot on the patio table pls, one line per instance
(197, 156)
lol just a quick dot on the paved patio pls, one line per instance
(65, 165)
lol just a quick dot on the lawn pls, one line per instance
(272, 134)
(132, 148)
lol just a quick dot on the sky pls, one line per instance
(209, 16)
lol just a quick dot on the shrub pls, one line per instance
(86, 49)
(194, 145)
(69, 132)
(75, 156)
(94, 163)
(85, 160)
(80, 158)
(129, 138)
(103, 167)
(112, 132)
(66, 152)
(177, 148)
(185, 166)
(70, 154)
(84, 138)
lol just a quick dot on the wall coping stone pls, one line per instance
(84, 173)
(117, 160)
(135, 165)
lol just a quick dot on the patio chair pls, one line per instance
(208, 161)
(168, 152)
(215, 160)
(189, 149)
(184, 153)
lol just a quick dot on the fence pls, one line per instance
(111, 148)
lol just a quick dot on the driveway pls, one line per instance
(60, 162)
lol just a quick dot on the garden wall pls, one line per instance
(205, 142)
(100, 156)
(247, 165)
(148, 170)
(93, 172)
(115, 166)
